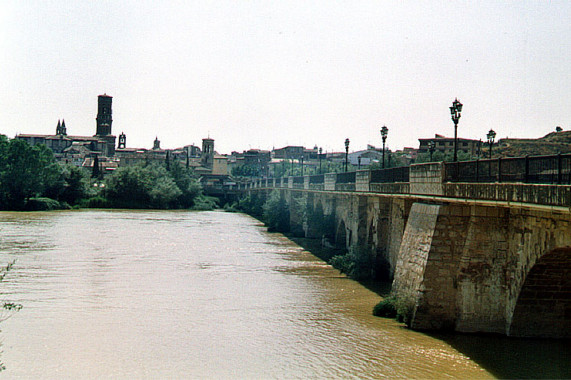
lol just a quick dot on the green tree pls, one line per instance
(129, 186)
(188, 183)
(152, 186)
(246, 171)
(276, 213)
(26, 171)
(164, 192)
(441, 157)
(75, 187)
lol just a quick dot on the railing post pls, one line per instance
(559, 169)
(499, 169)
(526, 178)
(477, 170)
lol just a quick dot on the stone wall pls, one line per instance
(362, 180)
(329, 181)
(484, 272)
(408, 284)
(427, 178)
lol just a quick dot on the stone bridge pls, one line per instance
(469, 257)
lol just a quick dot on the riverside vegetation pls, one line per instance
(8, 308)
(31, 179)
(356, 262)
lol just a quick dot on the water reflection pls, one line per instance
(510, 358)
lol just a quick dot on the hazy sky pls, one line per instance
(263, 74)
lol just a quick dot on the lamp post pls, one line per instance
(384, 133)
(456, 110)
(346, 153)
(301, 161)
(491, 136)
(320, 152)
(359, 160)
(431, 147)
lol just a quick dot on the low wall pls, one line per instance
(427, 179)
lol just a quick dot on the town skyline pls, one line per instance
(263, 77)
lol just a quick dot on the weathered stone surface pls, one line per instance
(466, 264)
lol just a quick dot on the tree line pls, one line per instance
(31, 179)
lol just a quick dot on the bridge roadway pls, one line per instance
(468, 257)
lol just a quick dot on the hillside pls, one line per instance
(552, 143)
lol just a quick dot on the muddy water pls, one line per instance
(127, 294)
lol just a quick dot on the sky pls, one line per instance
(267, 74)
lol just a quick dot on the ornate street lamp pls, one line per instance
(384, 133)
(346, 153)
(491, 136)
(320, 152)
(431, 147)
(301, 165)
(456, 110)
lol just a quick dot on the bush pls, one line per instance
(276, 213)
(393, 307)
(231, 207)
(43, 204)
(95, 202)
(386, 308)
(357, 263)
(205, 203)
(252, 204)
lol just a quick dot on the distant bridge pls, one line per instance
(478, 246)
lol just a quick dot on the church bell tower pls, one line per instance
(104, 115)
(207, 156)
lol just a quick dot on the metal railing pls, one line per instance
(347, 177)
(400, 174)
(530, 169)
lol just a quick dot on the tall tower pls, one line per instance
(104, 115)
(207, 157)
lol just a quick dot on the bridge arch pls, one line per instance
(543, 307)
(342, 235)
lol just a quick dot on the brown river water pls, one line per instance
(179, 294)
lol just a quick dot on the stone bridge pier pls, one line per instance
(487, 269)
(374, 224)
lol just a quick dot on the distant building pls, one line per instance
(256, 160)
(445, 145)
(102, 144)
(86, 151)
(368, 156)
(295, 153)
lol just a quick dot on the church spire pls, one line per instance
(60, 129)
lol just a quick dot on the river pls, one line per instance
(179, 294)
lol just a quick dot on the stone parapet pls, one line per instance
(329, 181)
(390, 188)
(551, 195)
(426, 179)
(362, 180)
(344, 187)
